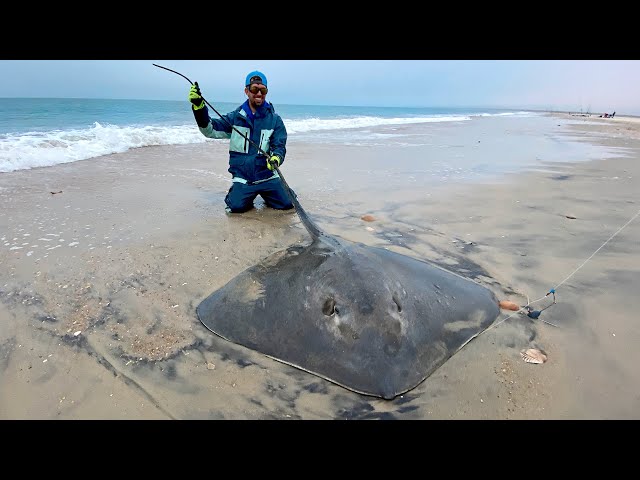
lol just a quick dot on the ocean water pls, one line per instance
(46, 131)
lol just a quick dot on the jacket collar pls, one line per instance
(260, 112)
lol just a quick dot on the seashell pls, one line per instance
(368, 218)
(572, 217)
(507, 305)
(533, 355)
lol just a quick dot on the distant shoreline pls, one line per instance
(586, 114)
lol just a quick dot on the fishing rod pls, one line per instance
(309, 225)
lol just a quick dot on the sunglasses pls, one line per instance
(254, 89)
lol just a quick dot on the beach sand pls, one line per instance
(103, 262)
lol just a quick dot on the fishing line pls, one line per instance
(553, 290)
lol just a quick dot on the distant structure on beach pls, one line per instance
(581, 114)
(588, 114)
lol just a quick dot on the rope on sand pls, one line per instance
(536, 313)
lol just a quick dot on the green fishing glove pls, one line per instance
(195, 98)
(273, 162)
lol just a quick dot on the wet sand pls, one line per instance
(103, 262)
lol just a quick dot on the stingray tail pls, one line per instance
(311, 227)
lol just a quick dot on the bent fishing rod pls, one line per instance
(309, 225)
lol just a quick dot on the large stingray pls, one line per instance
(371, 320)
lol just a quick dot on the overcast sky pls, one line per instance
(589, 85)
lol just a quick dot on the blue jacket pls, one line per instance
(265, 128)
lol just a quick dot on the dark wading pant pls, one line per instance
(240, 196)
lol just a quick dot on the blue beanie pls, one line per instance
(256, 77)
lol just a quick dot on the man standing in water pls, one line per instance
(252, 172)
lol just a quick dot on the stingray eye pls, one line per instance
(397, 302)
(329, 307)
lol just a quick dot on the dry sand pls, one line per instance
(102, 264)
